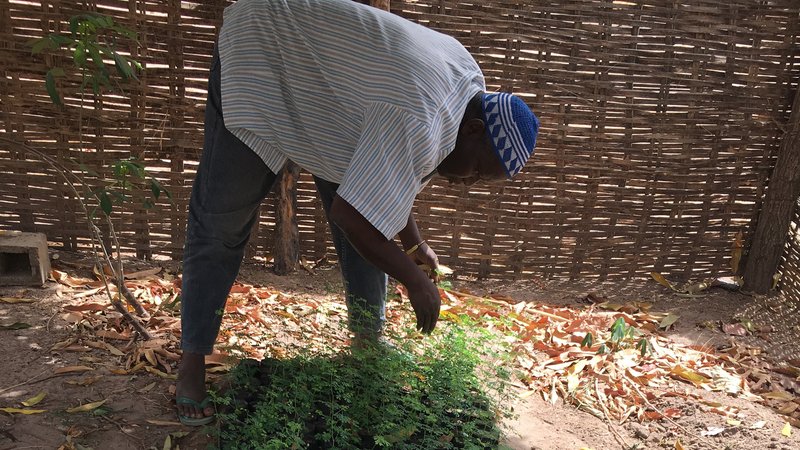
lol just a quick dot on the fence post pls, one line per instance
(287, 235)
(766, 246)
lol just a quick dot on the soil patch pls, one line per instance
(138, 412)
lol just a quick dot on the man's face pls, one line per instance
(477, 162)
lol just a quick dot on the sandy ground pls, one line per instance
(139, 408)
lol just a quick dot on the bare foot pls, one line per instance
(192, 384)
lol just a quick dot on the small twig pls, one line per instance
(618, 437)
(47, 325)
(128, 295)
(29, 381)
(132, 320)
(130, 435)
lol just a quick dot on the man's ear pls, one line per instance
(473, 127)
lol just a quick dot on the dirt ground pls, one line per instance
(139, 408)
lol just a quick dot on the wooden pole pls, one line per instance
(287, 235)
(783, 190)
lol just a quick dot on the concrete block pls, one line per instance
(23, 258)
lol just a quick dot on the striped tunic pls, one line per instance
(355, 95)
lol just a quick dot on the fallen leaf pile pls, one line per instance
(564, 354)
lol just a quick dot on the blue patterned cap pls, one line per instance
(512, 128)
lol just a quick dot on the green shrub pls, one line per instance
(437, 393)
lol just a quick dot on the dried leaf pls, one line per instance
(86, 381)
(689, 375)
(143, 273)
(35, 399)
(111, 334)
(668, 321)
(778, 395)
(71, 369)
(661, 280)
(712, 431)
(26, 411)
(155, 371)
(679, 446)
(150, 357)
(787, 430)
(734, 329)
(758, 425)
(86, 307)
(147, 388)
(16, 300)
(163, 423)
(87, 407)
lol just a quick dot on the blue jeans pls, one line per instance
(230, 184)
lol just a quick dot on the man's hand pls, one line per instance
(425, 256)
(387, 256)
(426, 302)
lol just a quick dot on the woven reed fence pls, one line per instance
(660, 124)
(790, 267)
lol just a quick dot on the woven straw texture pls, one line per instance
(660, 124)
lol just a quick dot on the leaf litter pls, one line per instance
(573, 355)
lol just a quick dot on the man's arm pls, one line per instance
(387, 256)
(423, 254)
(409, 235)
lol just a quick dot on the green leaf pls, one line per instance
(643, 346)
(618, 330)
(155, 188)
(105, 202)
(96, 56)
(602, 350)
(60, 40)
(588, 340)
(58, 71)
(79, 56)
(50, 84)
(123, 68)
(74, 23)
(39, 45)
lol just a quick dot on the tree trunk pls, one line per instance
(287, 235)
(772, 228)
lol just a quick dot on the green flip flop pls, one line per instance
(192, 421)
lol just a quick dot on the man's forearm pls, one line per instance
(374, 246)
(409, 235)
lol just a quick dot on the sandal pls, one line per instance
(192, 421)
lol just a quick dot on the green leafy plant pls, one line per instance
(92, 46)
(91, 41)
(622, 336)
(129, 176)
(435, 394)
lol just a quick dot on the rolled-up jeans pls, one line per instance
(230, 184)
